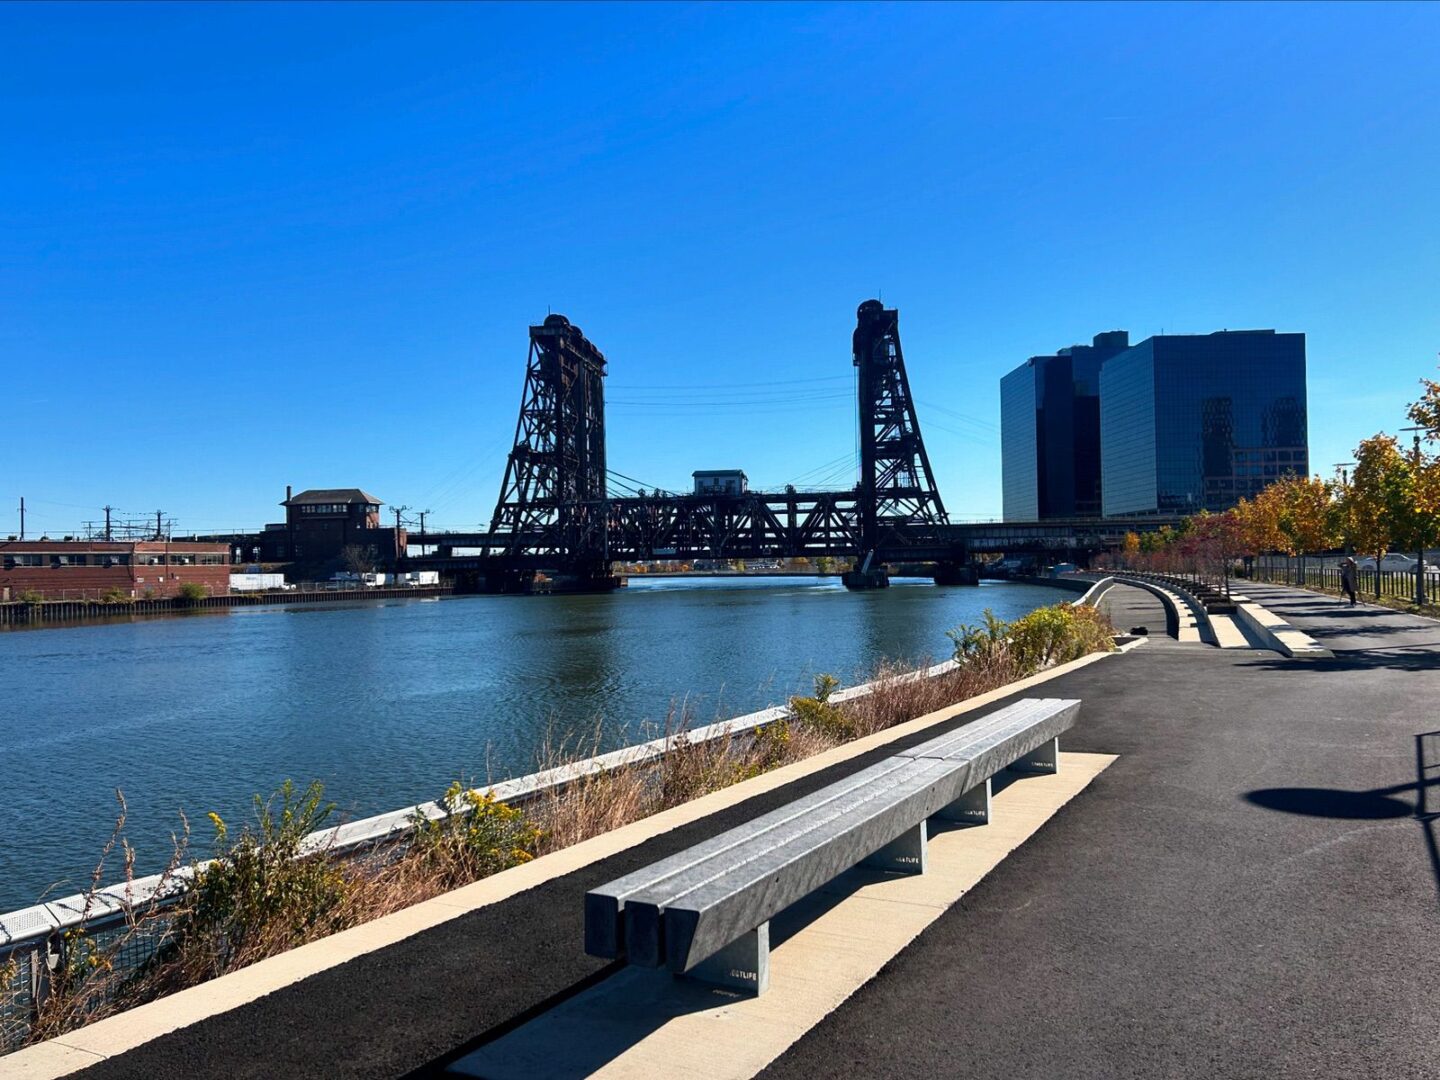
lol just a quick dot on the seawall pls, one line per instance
(54, 612)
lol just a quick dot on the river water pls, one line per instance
(388, 701)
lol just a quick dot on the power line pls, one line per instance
(985, 424)
(733, 385)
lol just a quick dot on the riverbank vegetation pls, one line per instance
(268, 887)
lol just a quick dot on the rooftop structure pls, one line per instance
(720, 482)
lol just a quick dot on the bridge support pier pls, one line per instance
(585, 581)
(956, 573)
(532, 582)
(873, 577)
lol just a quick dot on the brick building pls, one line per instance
(88, 569)
(320, 524)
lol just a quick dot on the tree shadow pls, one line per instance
(1415, 658)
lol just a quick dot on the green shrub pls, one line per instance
(979, 642)
(262, 891)
(769, 749)
(477, 835)
(1059, 634)
(1033, 642)
(31, 597)
(115, 595)
(817, 714)
(192, 591)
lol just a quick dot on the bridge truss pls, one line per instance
(555, 514)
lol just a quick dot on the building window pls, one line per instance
(212, 558)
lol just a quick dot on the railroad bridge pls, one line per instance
(557, 515)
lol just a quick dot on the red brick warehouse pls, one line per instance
(88, 569)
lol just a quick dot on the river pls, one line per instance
(388, 701)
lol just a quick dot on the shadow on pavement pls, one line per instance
(1427, 761)
(1418, 657)
(1330, 802)
(1375, 804)
(585, 1028)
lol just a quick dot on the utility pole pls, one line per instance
(423, 513)
(1344, 467)
(398, 552)
(1419, 532)
(107, 522)
(22, 517)
(159, 529)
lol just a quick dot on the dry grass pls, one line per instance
(263, 896)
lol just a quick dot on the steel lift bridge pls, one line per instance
(556, 517)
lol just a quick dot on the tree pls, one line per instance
(1426, 411)
(1307, 517)
(1378, 496)
(356, 558)
(1132, 545)
(1157, 541)
(1213, 542)
(1257, 522)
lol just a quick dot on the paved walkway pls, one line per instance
(1246, 892)
(1131, 609)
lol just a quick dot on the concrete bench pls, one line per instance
(705, 911)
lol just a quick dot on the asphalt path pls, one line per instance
(1132, 609)
(1247, 892)
(1250, 891)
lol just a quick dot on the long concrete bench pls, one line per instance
(705, 911)
(1276, 633)
(1187, 614)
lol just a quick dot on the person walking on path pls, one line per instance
(1349, 578)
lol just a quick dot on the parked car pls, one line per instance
(1395, 561)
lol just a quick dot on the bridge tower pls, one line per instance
(552, 506)
(897, 488)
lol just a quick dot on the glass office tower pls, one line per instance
(1197, 421)
(1050, 432)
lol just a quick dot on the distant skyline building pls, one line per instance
(1192, 422)
(1173, 425)
(1050, 432)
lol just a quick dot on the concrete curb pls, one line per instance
(1191, 620)
(1277, 633)
(1096, 592)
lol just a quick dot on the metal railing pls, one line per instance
(1312, 572)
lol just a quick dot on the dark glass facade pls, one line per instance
(1191, 422)
(1020, 489)
(1050, 432)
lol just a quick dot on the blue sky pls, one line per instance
(246, 246)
